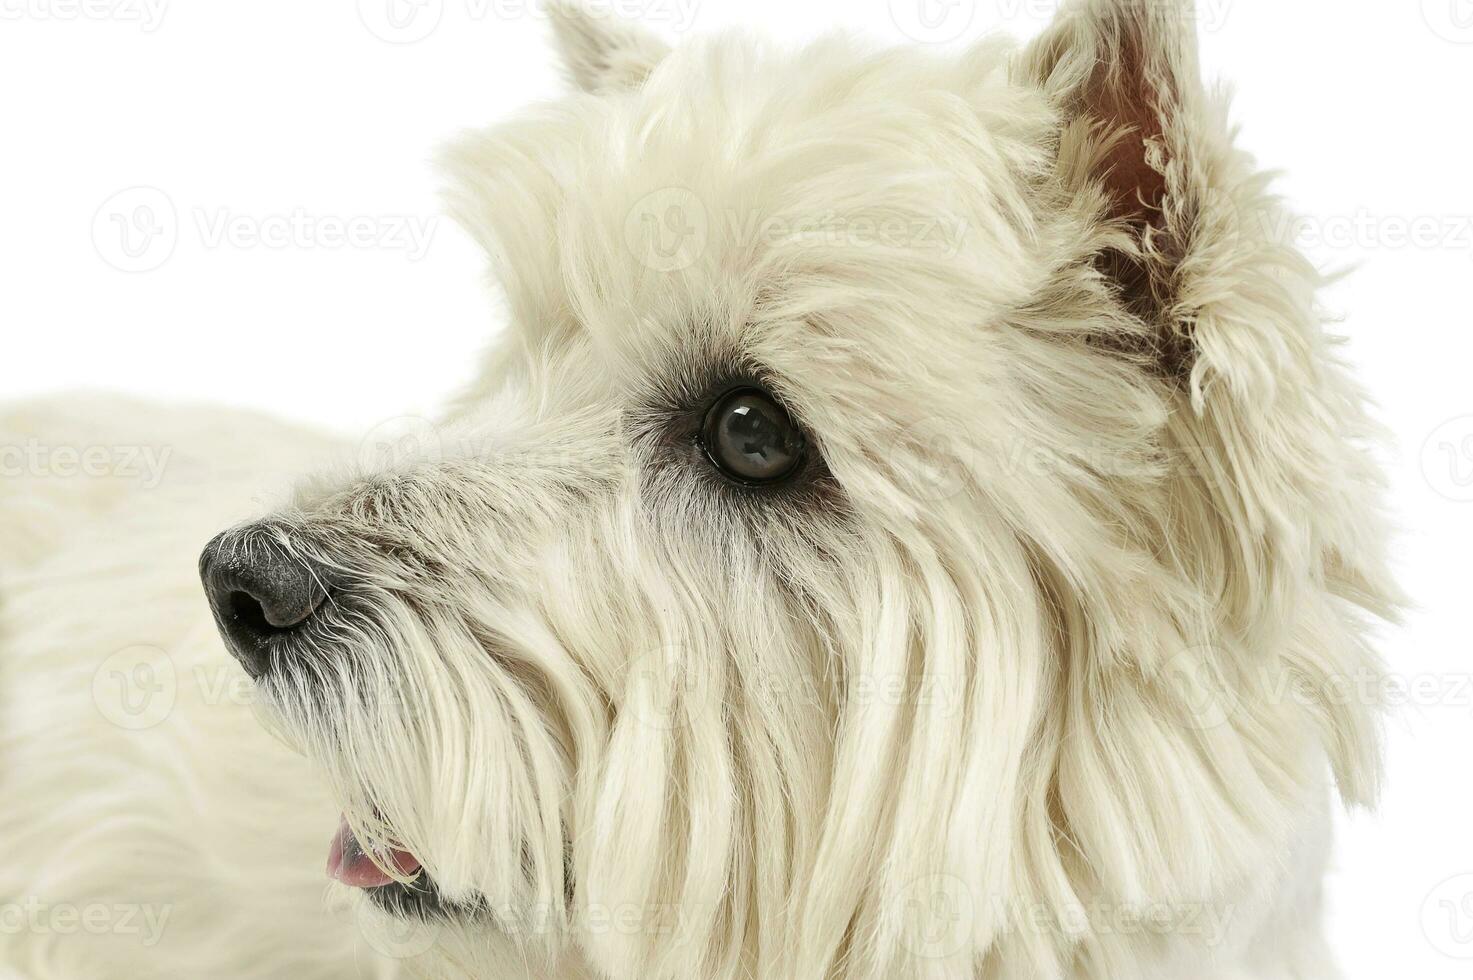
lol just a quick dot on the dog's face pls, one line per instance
(827, 563)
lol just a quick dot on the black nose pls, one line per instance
(260, 592)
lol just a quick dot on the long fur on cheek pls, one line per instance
(490, 835)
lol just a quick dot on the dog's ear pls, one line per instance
(1270, 496)
(602, 54)
(1124, 75)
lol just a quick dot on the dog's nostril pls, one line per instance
(274, 609)
(261, 591)
(247, 611)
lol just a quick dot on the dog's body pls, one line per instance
(915, 527)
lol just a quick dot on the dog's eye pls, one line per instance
(751, 438)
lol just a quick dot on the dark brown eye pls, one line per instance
(751, 438)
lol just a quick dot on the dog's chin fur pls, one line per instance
(1032, 670)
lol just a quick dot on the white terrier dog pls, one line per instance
(913, 526)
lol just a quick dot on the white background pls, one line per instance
(237, 115)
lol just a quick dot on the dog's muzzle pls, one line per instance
(260, 593)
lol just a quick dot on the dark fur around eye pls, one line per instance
(675, 431)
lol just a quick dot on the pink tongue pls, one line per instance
(349, 863)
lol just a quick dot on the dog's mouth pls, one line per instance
(350, 863)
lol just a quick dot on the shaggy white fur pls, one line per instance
(1033, 669)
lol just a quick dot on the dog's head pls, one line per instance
(911, 492)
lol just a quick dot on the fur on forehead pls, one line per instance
(849, 203)
(806, 173)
